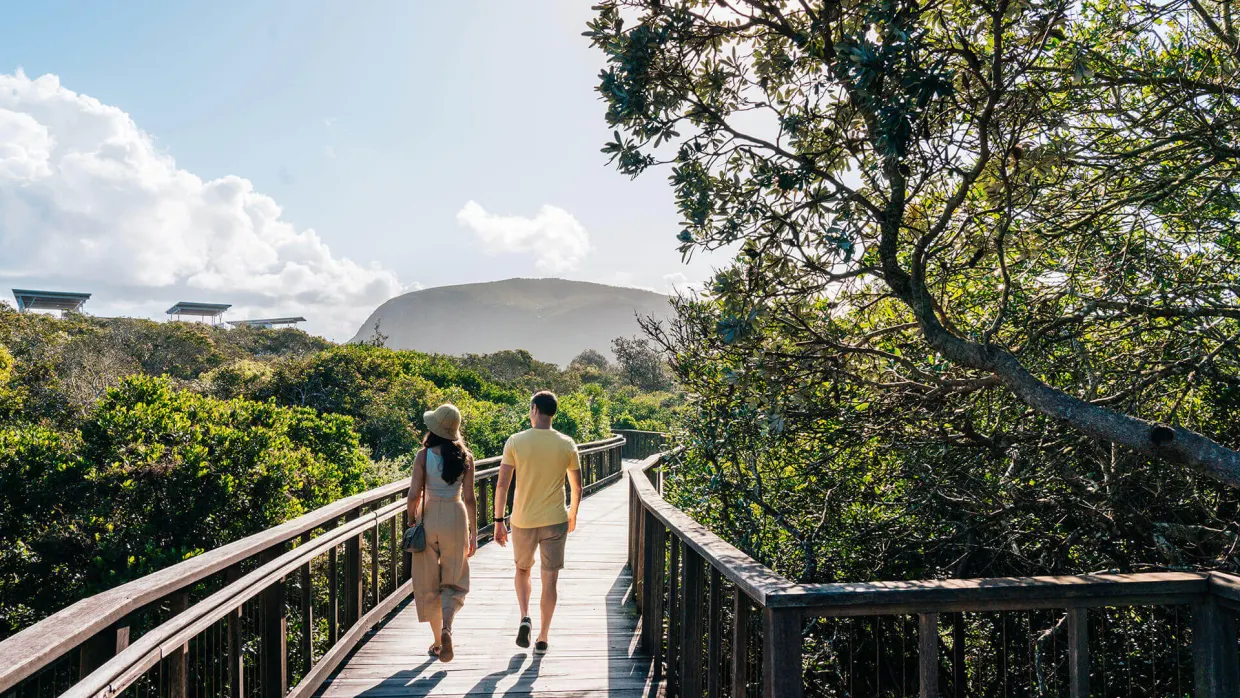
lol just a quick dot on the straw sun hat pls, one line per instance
(444, 422)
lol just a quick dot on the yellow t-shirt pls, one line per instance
(542, 459)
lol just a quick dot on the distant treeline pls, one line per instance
(128, 445)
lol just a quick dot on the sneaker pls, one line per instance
(540, 647)
(523, 634)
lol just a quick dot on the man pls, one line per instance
(541, 458)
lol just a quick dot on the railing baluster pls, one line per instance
(333, 591)
(740, 645)
(959, 676)
(235, 664)
(406, 559)
(928, 654)
(673, 619)
(393, 555)
(374, 565)
(691, 625)
(1078, 652)
(714, 635)
(307, 613)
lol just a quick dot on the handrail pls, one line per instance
(784, 605)
(26, 653)
(132, 662)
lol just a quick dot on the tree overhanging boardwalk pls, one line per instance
(592, 644)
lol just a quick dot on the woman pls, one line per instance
(442, 491)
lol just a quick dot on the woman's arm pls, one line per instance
(414, 503)
(471, 506)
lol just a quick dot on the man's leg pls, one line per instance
(522, 583)
(550, 578)
(551, 549)
(523, 544)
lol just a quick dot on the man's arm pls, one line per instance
(502, 483)
(574, 483)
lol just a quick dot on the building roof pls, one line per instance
(271, 321)
(201, 309)
(48, 300)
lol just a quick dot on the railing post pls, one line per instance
(714, 635)
(352, 575)
(307, 613)
(740, 645)
(691, 625)
(781, 653)
(1215, 659)
(103, 646)
(652, 605)
(1078, 652)
(178, 659)
(274, 641)
(928, 654)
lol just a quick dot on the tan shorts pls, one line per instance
(550, 543)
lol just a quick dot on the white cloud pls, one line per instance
(86, 198)
(554, 236)
(678, 283)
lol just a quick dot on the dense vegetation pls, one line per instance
(128, 445)
(983, 316)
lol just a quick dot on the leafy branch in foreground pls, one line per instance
(956, 197)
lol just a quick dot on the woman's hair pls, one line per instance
(456, 456)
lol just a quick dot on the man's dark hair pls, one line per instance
(546, 402)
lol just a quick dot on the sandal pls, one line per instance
(445, 646)
(433, 651)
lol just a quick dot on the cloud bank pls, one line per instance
(555, 238)
(86, 197)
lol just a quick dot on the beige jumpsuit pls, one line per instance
(441, 571)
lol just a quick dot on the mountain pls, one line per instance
(553, 319)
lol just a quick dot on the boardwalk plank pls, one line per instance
(593, 637)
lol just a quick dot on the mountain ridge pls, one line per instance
(553, 319)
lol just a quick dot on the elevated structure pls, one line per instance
(270, 323)
(64, 301)
(209, 312)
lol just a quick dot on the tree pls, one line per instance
(590, 359)
(640, 364)
(956, 200)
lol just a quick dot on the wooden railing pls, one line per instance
(640, 445)
(719, 623)
(250, 619)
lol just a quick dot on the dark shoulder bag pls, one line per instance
(415, 535)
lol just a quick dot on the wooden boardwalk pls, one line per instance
(593, 637)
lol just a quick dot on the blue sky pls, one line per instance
(372, 123)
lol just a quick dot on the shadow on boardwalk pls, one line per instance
(593, 637)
